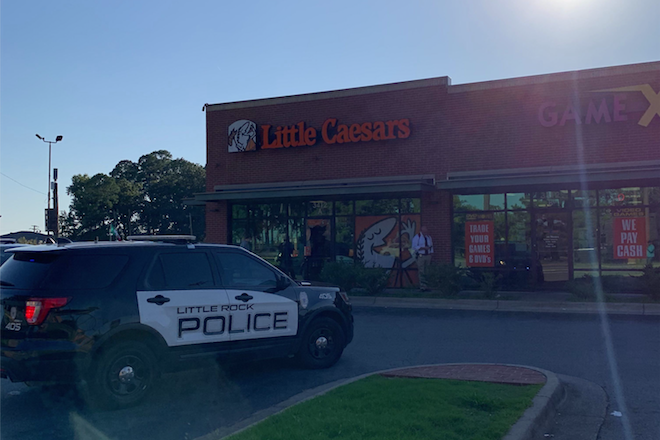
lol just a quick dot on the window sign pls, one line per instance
(479, 241)
(629, 233)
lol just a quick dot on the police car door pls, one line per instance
(182, 300)
(257, 309)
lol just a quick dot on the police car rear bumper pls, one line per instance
(41, 366)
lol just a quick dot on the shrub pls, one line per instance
(488, 282)
(373, 280)
(582, 288)
(650, 282)
(446, 278)
(345, 275)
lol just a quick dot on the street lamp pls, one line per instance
(50, 143)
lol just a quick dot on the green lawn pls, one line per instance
(394, 408)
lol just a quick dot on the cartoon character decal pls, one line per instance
(242, 136)
(382, 241)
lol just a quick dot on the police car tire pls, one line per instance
(106, 388)
(322, 344)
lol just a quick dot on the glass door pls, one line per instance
(551, 242)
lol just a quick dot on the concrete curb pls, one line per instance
(533, 420)
(640, 309)
(538, 417)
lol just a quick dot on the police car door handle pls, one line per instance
(244, 297)
(158, 299)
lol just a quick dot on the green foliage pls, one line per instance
(350, 275)
(137, 198)
(650, 282)
(489, 282)
(445, 278)
(374, 279)
(401, 408)
(582, 288)
(345, 275)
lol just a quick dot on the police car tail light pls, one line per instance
(344, 296)
(36, 309)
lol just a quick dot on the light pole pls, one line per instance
(50, 144)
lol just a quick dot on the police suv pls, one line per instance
(114, 315)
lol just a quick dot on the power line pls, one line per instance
(25, 186)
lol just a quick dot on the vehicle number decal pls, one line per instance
(327, 296)
(14, 326)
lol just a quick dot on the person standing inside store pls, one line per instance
(423, 247)
(650, 253)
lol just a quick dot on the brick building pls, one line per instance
(543, 178)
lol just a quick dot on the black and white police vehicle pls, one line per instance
(115, 315)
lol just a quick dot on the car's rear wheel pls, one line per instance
(322, 344)
(123, 375)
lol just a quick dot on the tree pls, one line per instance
(137, 197)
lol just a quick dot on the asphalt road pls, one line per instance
(192, 404)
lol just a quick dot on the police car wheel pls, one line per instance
(123, 375)
(322, 344)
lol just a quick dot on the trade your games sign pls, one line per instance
(245, 135)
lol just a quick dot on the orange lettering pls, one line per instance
(324, 131)
(265, 135)
(354, 133)
(310, 136)
(367, 135)
(379, 131)
(390, 129)
(404, 128)
(342, 134)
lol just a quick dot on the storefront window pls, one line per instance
(620, 197)
(344, 208)
(319, 208)
(377, 207)
(344, 238)
(411, 206)
(583, 199)
(518, 200)
(551, 199)
(651, 195)
(585, 241)
(479, 202)
(297, 209)
(239, 211)
(519, 243)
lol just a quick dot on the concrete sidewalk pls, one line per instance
(557, 305)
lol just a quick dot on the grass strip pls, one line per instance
(402, 409)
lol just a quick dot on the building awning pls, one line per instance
(646, 173)
(318, 188)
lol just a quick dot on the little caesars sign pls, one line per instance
(245, 135)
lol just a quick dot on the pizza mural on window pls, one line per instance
(385, 241)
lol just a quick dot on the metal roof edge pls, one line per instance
(557, 77)
(342, 93)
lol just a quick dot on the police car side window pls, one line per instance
(182, 271)
(239, 271)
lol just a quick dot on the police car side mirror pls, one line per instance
(282, 283)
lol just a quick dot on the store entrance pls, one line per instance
(551, 242)
(318, 247)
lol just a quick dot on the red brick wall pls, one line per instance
(499, 128)
(216, 222)
(495, 128)
(365, 159)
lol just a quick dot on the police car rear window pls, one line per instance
(85, 271)
(27, 269)
(55, 270)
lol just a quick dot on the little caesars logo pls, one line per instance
(242, 134)
(612, 108)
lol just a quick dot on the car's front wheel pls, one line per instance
(123, 375)
(322, 344)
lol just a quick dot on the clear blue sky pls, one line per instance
(120, 79)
